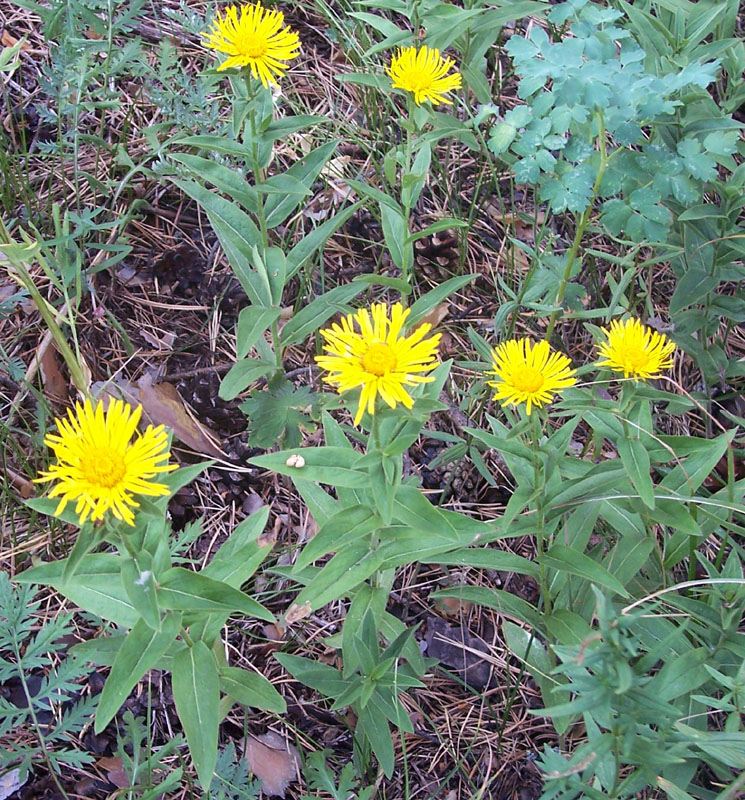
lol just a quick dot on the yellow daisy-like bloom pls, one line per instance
(378, 358)
(99, 467)
(423, 72)
(254, 37)
(529, 373)
(636, 350)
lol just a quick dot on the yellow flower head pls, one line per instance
(529, 373)
(636, 350)
(423, 72)
(378, 358)
(97, 464)
(254, 37)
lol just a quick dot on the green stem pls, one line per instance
(406, 195)
(539, 484)
(30, 701)
(48, 313)
(580, 229)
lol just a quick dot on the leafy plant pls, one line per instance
(231, 778)
(173, 615)
(644, 728)
(142, 762)
(610, 128)
(33, 658)
(320, 777)
(370, 683)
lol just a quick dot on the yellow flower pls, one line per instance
(636, 350)
(256, 39)
(423, 72)
(529, 373)
(97, 464)
(378, 358)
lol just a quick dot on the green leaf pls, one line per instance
(433, 298)
(140, 586)
(372, 722)
(565, 559)
(251, 689)
(282, 184)
(305, 248)
(331, 465)
(237, 559)
(252, 322)
(88, 538)
(343, 528)
(567, 627)
(629, 556)
(396, 233)
(445, 224)
(501, 137)
(137, 654)
(96, 586)
(313, 315)
(505, 603)
(196, 692)
(277, 413)
(102, 650)
(321, 677)
(635, 459)
(281, 128)
(688, 476)
(223, 178)
(238, 236)
(216, 144)
(347, 569)
(486, 558)
(304, 172)
(181, 477)
(692, 288)
(184, 590)
(526, 647)
(412, 508)
(242, 374)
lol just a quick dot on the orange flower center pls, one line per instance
(634, 357)
(104, 468)
(418, 80)
(527, 379)
(379, 359)
(253, 46)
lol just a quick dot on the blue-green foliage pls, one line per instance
(232, 781)
(29, 651)
(601, 90)
(320, 777)
(641, 685)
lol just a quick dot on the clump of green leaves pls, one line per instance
(644, 726)
(232, 781)
(370, 682)
(150, 775)
(319, 776)
(600, 91)
(29, 649)
(169, 617)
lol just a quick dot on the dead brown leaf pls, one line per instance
(52, 378)
(296, 612)
(114, 771)
(274, 760)
(7, 40)
(23, 486)
(435, 316)
(269, 538)
(162, 405)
